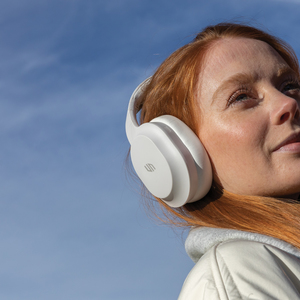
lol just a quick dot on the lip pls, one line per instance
(290, 144)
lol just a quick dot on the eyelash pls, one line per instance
(243, 90)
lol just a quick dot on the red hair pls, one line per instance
(171, 91)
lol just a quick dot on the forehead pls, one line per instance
(230, 56)
(229, 50)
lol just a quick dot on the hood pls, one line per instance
(202, 239)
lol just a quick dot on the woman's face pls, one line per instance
(249, 105)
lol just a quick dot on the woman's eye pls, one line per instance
(291, 86)
(241, 97)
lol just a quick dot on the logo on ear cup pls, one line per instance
(149, 167)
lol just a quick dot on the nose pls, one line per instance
(286, 108)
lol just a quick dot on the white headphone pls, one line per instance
(167, 156)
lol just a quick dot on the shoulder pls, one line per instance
(241, 269)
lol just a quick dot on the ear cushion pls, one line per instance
(196, 150)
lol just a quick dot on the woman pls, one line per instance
(238, 89)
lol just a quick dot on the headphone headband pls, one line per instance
(131, 122)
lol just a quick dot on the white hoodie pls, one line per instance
(238, 265)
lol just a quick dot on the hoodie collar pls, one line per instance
(202, 239)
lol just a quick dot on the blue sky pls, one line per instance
(71, 225)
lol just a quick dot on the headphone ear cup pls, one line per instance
(163, 163)
(171, 162)
(203, 177)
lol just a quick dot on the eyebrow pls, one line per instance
(244, 78)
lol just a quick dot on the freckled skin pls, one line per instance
(240, 137)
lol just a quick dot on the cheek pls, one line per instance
(227, 138)
(233, 146)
